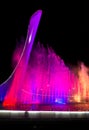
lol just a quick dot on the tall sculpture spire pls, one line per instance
(20, 70)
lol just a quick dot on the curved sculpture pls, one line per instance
(45, 79)
(17, 76)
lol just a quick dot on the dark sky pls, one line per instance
(63, 26)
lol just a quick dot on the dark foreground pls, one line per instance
(49, 107)
(45, 123)
(45, 116)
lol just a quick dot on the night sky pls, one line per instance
(63, 26)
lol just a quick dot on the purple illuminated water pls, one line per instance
(47, 79)
(42, 77)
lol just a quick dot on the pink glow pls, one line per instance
(46, 79)
(13, 95)
(42, 77)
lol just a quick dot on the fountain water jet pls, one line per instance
(44, 78)
(12, 95)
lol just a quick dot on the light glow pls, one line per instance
(42, 77)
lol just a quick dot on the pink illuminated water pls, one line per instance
(43, 78)
(47, 79)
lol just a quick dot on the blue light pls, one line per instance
(60, 101)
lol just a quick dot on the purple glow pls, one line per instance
(41, 76)
(19, 75)
(47, 80)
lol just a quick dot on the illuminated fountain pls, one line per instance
(84, 81)
(41, 76)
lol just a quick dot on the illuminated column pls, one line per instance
(14, 94)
